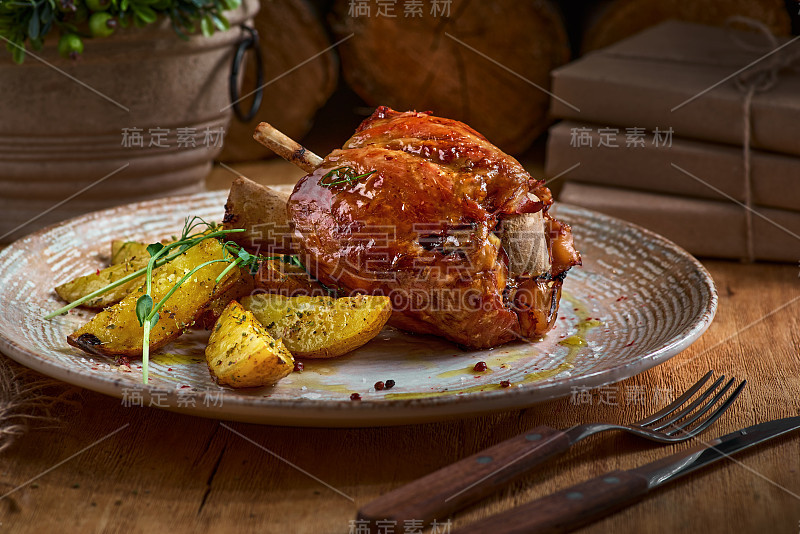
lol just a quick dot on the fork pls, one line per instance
(439, 494)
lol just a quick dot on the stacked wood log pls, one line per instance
(618, 19)
(484, 63)
(290, 32)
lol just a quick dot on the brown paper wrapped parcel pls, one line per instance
(715, 171)
(669, 76)
(703, 227)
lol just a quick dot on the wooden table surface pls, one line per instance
(165, 472)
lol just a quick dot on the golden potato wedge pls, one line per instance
(115, 331)
(122, 251)
(320, 327)
(287, 279)
(211, 313)
(262, 213)
(87, 284)
(242, 354)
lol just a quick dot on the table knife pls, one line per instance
(585, 502)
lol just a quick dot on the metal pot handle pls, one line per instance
(250, 41)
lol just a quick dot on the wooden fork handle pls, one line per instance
(567, 509)
(437, 495)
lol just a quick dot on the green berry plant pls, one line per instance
(26, 23)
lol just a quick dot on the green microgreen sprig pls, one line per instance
(342, 175)
(182, 244)
(195, 231)
(241, 258)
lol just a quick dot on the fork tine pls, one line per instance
(677, 403)
(700, 413)
(678, 426)
(719, 411)
(695, 403)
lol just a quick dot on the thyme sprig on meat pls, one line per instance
(342, 175)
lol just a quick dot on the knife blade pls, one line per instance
(683, 463)
(580, 504)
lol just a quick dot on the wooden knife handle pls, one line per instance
(442, 492)
(567, 509)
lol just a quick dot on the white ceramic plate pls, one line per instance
(637, 301)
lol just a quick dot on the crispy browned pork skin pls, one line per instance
(422, 227)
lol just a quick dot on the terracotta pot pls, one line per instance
(63, 133)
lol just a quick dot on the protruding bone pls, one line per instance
(286, 147)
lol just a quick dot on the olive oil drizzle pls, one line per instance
(574, 344)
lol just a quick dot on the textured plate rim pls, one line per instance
(391, 411)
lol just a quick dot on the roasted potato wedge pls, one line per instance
(242, 354)
(115, 331)
(87, 284)
(122, 251)
(241, 288)
(320, 327)
(287, 279)
(262, 213)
